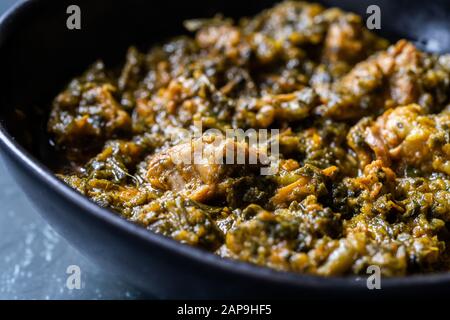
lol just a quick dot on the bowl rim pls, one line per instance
(43, 174)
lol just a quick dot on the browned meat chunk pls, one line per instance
(198, 169)
(406, 138)
(401, 75)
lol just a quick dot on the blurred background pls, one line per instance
(34, 259)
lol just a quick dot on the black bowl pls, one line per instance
(38, 55)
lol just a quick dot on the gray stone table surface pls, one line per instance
(34, 259)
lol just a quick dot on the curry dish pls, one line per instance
(363, 176)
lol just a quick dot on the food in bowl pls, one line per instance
(361, 174)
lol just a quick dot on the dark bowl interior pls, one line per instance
(38, 55)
